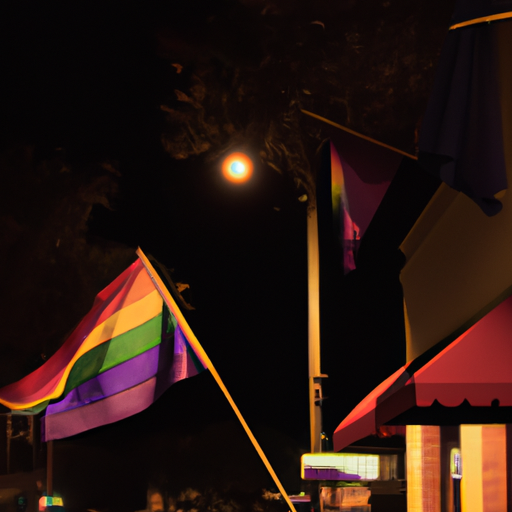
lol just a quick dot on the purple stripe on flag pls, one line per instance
(113, 381)
(122, 391)
(102, 412)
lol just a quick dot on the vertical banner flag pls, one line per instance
(353, 199)
(354, 177)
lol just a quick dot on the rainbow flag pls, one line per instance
(132, 345)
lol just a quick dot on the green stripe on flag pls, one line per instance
(114, 352)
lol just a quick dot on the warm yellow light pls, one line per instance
(237, 168)
(423, 468)
(484, 476)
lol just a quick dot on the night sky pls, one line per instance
(114, 122)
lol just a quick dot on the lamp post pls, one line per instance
(315, 375)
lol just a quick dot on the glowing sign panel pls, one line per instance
(339, 466)
(50, 501)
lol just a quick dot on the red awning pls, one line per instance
(469, 381)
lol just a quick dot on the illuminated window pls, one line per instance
(340, 466)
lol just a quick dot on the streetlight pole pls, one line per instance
(315, 375)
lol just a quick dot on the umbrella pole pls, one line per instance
(456, 495)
